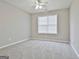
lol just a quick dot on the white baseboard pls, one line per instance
(14, 43)
(75, 51)
(51, 40)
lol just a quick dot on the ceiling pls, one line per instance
(27, 5)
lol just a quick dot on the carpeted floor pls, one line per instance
(39, 50)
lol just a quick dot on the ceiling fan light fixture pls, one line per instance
(40, 5)
(37, 7)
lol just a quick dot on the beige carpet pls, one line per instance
(39, 50)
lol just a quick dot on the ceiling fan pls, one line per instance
(40, 4)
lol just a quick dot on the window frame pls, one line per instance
(47, 33)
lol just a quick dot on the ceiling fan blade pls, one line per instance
(36, 2)
(43, 3)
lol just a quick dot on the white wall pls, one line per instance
(74, 19)
(63, 26)
(15, 25)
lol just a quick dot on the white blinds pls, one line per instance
(47, 24)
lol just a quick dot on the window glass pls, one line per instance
(47, 24)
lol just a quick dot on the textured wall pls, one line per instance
(14, 24)
(74, 18)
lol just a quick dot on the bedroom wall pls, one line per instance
(74, 21)
(15, 25)
(63, 26)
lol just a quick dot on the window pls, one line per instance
(47, 24)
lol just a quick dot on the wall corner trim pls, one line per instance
(14, 43)
(75, 50)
